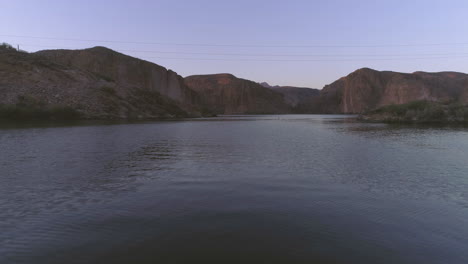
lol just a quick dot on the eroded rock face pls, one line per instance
(227, 94)
(97, 83)
(367, 89)
(127, 73)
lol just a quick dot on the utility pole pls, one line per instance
(18, 47)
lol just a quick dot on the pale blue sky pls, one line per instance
(257, 40)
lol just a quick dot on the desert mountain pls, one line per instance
(301, 99)
(227, 94)
(367, 89)
(96, 82)
(101, 83)
(127, 72)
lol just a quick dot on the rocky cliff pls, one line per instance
(367, 89)
(97, 83)
(227, 94)
(127, 73)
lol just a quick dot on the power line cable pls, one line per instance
(239, 45)
(274, 60)
(263, 55)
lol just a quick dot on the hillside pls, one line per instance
(227, 94)
(419, 112)
(367, 89)
(92, 83)
(300, 99)
(100, 83)
(127, 72)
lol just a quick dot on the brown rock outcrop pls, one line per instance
(227, 94)
(98, 83)
(367, 89)
(128, 73)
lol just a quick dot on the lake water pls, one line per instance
(234, 189)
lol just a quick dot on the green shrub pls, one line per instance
(104, 77)
(108, 90)
(4, 45)
(423, 111)
(29, 108)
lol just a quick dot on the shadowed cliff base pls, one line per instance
(141, 105)
(23, 113)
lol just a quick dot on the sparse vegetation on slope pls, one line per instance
(4, 45)
(28, 108)
(420, 112)
(7, 47)
(94, 83)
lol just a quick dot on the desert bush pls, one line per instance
(108, 90)
(8, 47)
(104, 77)
(424, 111)
(5, 45)
(29, 108)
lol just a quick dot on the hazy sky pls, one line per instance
(302, 43)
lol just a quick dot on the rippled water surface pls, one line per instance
(234, 189)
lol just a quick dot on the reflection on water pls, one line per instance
(276, 189)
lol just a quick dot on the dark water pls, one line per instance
(258, 189)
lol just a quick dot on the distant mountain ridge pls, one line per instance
(300, 99)
(226, 94)
(267, 85)
(104, 84)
